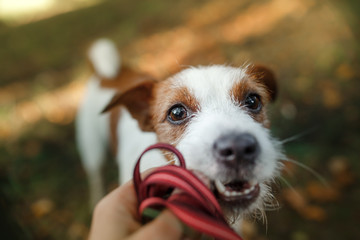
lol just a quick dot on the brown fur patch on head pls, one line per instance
(264, 76)
(137, 101)
(166, 95)
(241, 91)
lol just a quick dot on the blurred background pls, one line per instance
(313, 47)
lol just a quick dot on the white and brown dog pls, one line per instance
(215, 115)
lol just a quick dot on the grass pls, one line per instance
(315, 54)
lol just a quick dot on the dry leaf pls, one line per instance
(322, 193)
(341, 171)
(295, 198)
(42, 207)
(248, 229)
(299, 202)
(314, 213)
(338, 165)
(344, 179)
(331, 97)
(345, 72)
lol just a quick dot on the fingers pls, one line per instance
(122, 198)
(165, 227)
(114, 215)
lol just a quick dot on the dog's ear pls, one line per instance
(137, 101)
(134, 93)
(266, 77)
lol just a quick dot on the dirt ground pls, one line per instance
(312, 46)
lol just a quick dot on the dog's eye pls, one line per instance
(253, 102)
(177, 114)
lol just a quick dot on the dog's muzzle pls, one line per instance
(237, 153)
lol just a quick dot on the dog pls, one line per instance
(215, 115)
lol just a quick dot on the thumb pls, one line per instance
(165, 227)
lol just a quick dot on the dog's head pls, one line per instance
(216, 116)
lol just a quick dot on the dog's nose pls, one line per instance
(234, 149)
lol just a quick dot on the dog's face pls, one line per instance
(216, 116)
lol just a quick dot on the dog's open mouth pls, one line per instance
(233, 192)
(242, 192)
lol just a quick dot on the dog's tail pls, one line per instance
(104, 58)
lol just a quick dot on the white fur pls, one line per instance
(92, 132)
(132, 142)
(105, 59)
(210, 84)
(92, 128)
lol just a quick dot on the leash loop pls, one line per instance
(179, 190)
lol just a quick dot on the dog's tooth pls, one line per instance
(234, 194)
(253, 183)
(227, 193)
(220, 187)
(240, 193)
(249, 190)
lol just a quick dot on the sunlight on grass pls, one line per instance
(16, 12)
(196, 39)
(57, 106)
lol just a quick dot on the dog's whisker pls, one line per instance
(271, 207)
(265, 220)
(287, 171)
(297, 136)
(270, 202)
(288, 184)
(261, 215)
(310, 170)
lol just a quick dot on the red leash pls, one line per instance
(195, 205)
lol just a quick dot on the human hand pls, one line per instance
(115, 218)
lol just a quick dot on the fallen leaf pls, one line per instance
(338, 165)
(248, 229)
(345, 71)
(299, 202)
(331, 96)
(42, 207)
(341, 171)
(322, 193)
(295, 198)
(315, 213)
